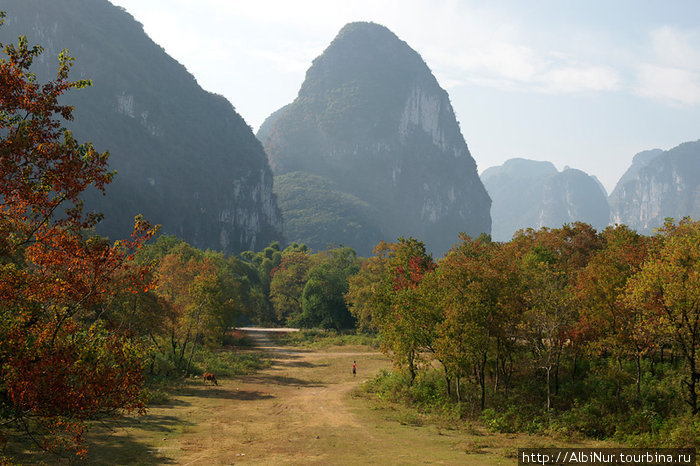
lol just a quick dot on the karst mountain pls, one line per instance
(659, 184)
(184, 157)
(370, 149)
(533, 194)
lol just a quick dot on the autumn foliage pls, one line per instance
(62, 363)
(558, 329)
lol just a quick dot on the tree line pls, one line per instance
(600, 330)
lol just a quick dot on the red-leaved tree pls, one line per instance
(60, 364)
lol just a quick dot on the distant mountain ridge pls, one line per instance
(184, 157)
(532, 194)
(371, 117)
(659, 184)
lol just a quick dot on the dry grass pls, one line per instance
(299, 411)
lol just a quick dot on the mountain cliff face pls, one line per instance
(371, 118)
(530, 194)
(659, 184)
(184, 157)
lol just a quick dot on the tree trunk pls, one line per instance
(189, 360)
(498, 356)
(173, 343)
(692, 385)
(508, 372)
(556, 368)
(447, 382)
(183, 347)
(638, 360)
(482, 380)
(459, 394)
(549, 394)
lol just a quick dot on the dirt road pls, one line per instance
(299, 411)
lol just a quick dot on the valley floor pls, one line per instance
(301, 410)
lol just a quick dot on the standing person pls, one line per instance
(354, 369)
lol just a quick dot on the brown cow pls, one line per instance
(211, 377)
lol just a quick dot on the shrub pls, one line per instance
(227, 364)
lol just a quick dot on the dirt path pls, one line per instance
(299, 411)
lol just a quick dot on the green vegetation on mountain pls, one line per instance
(317, 211)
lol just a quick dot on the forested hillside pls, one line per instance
(319, 214)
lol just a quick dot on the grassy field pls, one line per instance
(305, 408)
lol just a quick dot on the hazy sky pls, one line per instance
(583, 83)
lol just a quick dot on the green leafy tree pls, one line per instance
(258, 267)
(549, 265)
(323, 298)
(401, 310)
(363, 294)
(288, 281)
(668, 287)
(608, 324)
(477, 299)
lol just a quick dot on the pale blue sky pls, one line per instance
(580, 83)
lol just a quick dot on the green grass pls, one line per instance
(318, 338)
(225, 363)
(424, 402)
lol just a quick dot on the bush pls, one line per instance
(392, 386)
(227, 364)
(318, 338)
(237, 338)
(682, 432)
(591, 419)
(428, 390)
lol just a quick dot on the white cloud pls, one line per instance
(676, 47)
(671, 74)
(571, 79)
(489, 47)
(671, 85)
(515, 67)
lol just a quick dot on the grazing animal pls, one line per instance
(211, 377)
